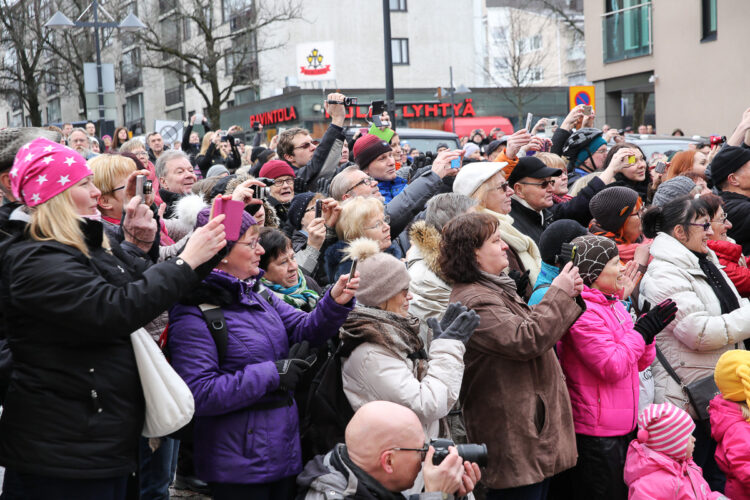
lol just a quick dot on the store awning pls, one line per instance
(464, 125)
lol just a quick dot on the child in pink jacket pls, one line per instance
(729, 422)
(601, 356)
(659, 465)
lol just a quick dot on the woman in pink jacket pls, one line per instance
(660, 462)
(730, 419)
(601, 357)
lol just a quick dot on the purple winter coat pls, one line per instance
(235, 443)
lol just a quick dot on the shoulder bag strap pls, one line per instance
(667, 366)
(214, 317)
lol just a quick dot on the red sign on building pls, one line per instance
(275, 116)
(442, 110)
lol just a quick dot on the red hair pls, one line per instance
(681, 163)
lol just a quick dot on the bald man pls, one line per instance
(383, 454)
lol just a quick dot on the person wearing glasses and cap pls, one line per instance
(383, 453)
(712, 317)
(282, 190)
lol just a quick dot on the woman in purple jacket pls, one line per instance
(246, 425)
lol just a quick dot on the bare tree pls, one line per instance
(197, 43)
(572, 19)
(518, 60)
(22, 68)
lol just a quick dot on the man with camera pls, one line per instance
(296, 146)
(383, 455)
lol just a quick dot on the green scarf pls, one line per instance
(298, 296)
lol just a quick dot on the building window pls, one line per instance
(166, 6)
(53, 111)
(627, 30)
(130, 70)
(530, 44)
(400, 50)
(186, 35)
(398, 5)
(170, 32)
(238, 13)
(172, 88)
(709, 20)
(134, 111)
(535, 75)
(241, 66)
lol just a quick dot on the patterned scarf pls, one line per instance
(298, 296)
(398, 334)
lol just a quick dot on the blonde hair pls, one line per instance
(354, 213)
(551, 160)
(109, 170)
(480, 194)
(57, 220)
(581, 183)
(132, 145)
(206, 142)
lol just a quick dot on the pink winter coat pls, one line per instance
(732, 433)
(651, 475)
(601, 356)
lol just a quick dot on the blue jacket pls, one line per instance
(234, 442)
(391, 189)
(546, 275)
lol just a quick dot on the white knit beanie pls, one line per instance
(666, 429)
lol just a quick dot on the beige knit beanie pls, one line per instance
(381, 275)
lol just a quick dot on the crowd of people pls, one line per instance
(578, 307)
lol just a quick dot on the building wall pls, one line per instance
(700, 87)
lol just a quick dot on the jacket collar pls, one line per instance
(519, 205)
(597, 296)
(426, 241)
(240, 289)
(668, 249)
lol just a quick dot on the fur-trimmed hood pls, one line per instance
(427, 239)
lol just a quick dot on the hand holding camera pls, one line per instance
(516, 141)
(139, 226)
(574, 118)
(451, 468)
(448, 162)
(336, 105)
(246, 194)
(623, 158)
(569, 281)
(345, 287)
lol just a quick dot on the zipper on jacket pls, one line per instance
(95, 401)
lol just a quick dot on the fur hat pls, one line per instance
(666, 429)
(591, 255)
(382, 275)
(732, 375)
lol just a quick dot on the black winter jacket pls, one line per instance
(74, 407)
(737, 206)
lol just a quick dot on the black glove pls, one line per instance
(655, 320)
(460, 328)
(291, 369)
(522, 281)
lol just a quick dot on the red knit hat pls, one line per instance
(275, 169)
(367, 148)
(666, 429)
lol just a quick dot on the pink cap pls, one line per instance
(43, 169)
(666, 429)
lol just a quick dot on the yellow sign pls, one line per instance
(581, 94)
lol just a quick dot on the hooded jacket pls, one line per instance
(601, 356)
(235, 440)
(651, 475)
(547, 274)
(732, 434)
(513, 392)
(700, 333)
(430, 293)
(735, 264)
(75, 407)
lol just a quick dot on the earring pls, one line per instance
(225, 261)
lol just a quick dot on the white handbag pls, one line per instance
(169, 402)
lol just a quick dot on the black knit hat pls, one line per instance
(591, 254)
(727, 161)
(559, 232)
(257, 150)
(611, 207)
(297, 209)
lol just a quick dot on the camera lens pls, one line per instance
(473, 453)
(148, 187)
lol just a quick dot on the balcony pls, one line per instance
(627, 33)
(131, 80)
(173, 95)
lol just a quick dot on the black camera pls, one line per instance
(469, 452)
(256, 126)
(260, 192)
(348, 101)
(143, 187)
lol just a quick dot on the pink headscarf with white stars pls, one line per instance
(43, 169)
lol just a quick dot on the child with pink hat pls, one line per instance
(660, 463)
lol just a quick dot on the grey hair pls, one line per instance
(340, 183)
(165, 157)
(443, 207)
(131, 145)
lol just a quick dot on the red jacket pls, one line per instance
(732, 433)
(735, 264)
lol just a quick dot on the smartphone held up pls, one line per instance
(232, 209)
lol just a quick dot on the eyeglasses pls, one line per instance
(386, 220)
(706, 225)
(423, 450)
(123, 187)
(543, 184)
(722, 220)
(366, 180)
(281, 182)
(250, 244)
(503, 186)
(141, 153)
(307, 145)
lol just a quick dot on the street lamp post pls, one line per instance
(131, 23)
(462, 89)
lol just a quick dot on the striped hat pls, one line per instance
(666, 429)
